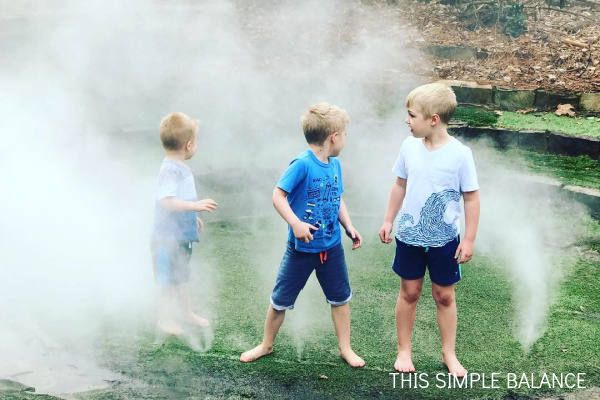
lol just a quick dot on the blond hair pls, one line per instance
(176, 130)
(321, 120)
(433, 98)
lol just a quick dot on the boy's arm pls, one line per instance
(464, 251)
(396, 199)
(301, 229)
(172, 203)
(352, 233)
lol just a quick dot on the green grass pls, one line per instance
(550, 122)
(476, 116)
(578, 171)
(306, 345)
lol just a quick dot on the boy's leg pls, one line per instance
(341, 321)
(406, 310)
(165, 318)
(272, 325)
(186, 308)
(446, 319)
(332, 274)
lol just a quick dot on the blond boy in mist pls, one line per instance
(176, 224)
(433, 171)
(309, 198)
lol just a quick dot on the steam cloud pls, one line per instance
(84, 85)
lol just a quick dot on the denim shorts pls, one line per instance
(410, 262)
(297, 266)
(171, 262)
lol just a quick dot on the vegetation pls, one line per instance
(306, 364)
(476, 116)
(578, 171)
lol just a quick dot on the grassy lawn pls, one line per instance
(306, 346)
(578, 171)
(538, 121)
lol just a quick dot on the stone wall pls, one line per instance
(520, 99)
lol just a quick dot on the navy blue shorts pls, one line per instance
(410, 262)
(171, 262)
(296, 266)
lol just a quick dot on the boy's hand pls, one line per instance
(302, 231)
(206, 205)
(200, 224)
(384, 232)
(464, 252)
(355, 236)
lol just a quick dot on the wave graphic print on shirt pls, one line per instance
(431, 230)
(323, 204)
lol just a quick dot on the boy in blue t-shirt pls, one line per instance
(309, 198)
(176, 223)
(433, 171)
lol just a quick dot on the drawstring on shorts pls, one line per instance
(323, 256)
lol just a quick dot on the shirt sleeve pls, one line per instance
(293, 175)
(400, 167)
(167, 184)
(341, 184)
(467, 174)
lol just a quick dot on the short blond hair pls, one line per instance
(176, 130)
(433, 98)
(321, 120)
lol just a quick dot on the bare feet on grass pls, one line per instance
(352, 358)
(404, 362)
(256, 353)
(197, 320)
(169, 327)
(453, 365)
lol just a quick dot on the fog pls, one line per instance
(82, 90)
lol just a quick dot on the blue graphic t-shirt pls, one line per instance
(314, 194)
(175, 180)
(435, 181)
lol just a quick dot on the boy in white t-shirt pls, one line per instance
(433, 170)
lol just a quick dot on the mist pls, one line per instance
(83, 88)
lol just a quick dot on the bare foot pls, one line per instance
(404, 362)
(256, 353)
(169, 327)
(454, 366)
(197, 320)
(352, 358)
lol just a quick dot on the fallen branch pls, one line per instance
(574, 43)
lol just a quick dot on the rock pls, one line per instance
(590, 102)
(471, 92)
(514, 99)
(572, 145)
(549, 101)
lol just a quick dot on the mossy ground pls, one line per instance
(478, 116)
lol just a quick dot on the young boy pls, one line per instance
(433, 170)
(309, 198)
(176, 224)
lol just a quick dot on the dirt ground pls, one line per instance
(540, 58)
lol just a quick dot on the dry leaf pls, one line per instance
(582, 308)
(526, 111)
(323, 377)
(563, 349)
(498, 112)
(565, 109)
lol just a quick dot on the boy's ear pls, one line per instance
(435, 119)
(188, 145)
(333, 136)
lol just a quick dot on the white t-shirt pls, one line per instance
(435, 181)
